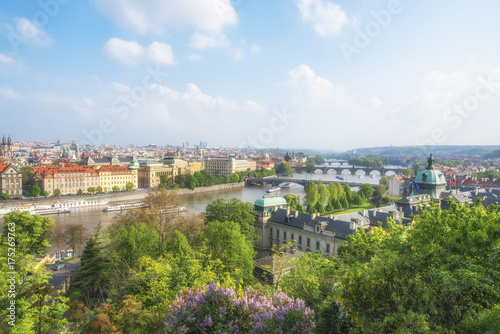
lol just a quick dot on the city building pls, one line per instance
(11, 181)
(117, 176)
(151, 171)
(107, 161)
(68, 179)
(400, 185)
(276, 225)
(6, 149)
(227, 166)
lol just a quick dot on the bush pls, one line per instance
(220, 310)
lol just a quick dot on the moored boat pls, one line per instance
(273, 189)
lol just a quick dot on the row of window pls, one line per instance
(299, 241)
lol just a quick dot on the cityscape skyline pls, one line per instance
(330, 75)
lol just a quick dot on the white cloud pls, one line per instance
(152, 16)
(128, 52)
(325, 16)
(203, 41)
(235, 53)
(319, 93)
(161, 53)
(131, 52)
(31, 33)
(9, 93)
(11, 66)
(195, 57)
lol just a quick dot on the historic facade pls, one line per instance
(11, 181)
(228, 166)
(6, 147)
(151, 171)
(276, 225)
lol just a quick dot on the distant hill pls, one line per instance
(492, 155)
(440, 150)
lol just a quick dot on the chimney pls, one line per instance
(287, 211)
(313, 216)
(296, 213)
(331, 216)
(335, 218)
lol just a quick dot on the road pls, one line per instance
(59, 275)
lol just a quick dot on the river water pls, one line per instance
(91, 217)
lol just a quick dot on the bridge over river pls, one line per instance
(344, 169)
(278, 181)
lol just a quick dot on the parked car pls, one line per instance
(59, 266)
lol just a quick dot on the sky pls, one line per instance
(315, 74)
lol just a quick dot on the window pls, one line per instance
(292, 236)
(284, 235)
(300, 240)
(308, 242)
(277, 233)
(328, 248)
(317, 245)
(271, 243)
(317, 228)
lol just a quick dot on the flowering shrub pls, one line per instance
(219, 310)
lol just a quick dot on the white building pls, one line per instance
(227, 166)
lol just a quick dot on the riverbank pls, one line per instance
(136, 194)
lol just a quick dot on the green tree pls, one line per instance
(129, 186)
(226, 242)
(384, 181)
(233, 210)
(367, 190)
(324, 194)
(293, 201)
(28, 174)
(408, 172)
(31, 231)
(116, 189)
(92, 279)
(319, 208)
(284, 168)
(344, 202)
(190, 181)
(45, 193)
(34, 191)
(329, 207)
(336, 204)
(312, 195)
(5, 196)
(57, 192)
(80, 191)
(99, 189)
(356, 200)
(91, 190)
(332, 188)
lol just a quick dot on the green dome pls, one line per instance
(266, 202)
(430, 175)
(133, 165)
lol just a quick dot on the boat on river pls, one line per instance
(128, 206)
(273, 190)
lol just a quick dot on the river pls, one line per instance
(91, 217)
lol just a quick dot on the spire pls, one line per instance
(3, 140)
(9, 141)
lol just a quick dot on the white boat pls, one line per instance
(128, 206)
(361, 176)
(287, 185)
(48, 211)
(82, 203)
(372, 176)
(273, 190)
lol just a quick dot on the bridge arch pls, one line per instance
(375, 172)
(390, 173)
(318, 171)
(332, 172)
(360, 172)
(346, 172)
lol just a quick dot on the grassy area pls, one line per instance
(364, 206)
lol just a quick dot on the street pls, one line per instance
(59, 275)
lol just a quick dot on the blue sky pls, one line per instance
(332, 75)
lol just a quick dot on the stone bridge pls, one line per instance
(358, 170)
(252, 181)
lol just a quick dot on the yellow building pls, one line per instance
(150, 172)
(117, 176)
